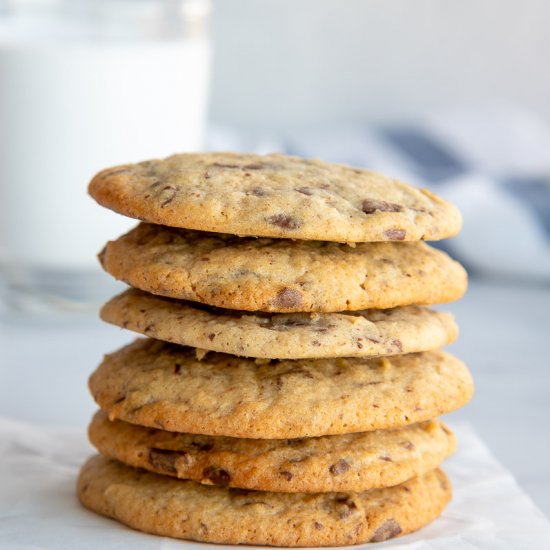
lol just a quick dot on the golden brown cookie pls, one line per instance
(184, 509)
(352, 462)
(279, 275)
(282, 336)
(165, 386)
(274, 196)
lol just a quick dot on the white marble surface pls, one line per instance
(44, 365)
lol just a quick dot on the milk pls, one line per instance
(70, 106)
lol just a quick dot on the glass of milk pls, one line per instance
(86, 84)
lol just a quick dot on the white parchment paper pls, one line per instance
(39, 508)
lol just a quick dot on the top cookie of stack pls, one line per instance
(274, 196)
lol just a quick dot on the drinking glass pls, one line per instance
(86, 84)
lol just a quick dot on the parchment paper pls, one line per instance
(39, 509)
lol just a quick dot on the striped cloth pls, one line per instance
(493, 164)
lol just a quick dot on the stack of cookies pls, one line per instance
(288, 388)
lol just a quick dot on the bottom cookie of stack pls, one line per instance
(185, 509)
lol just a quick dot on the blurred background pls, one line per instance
(454, 96)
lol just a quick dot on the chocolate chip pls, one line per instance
(221, 165)
(395, 234)
(288, 298)
(155, 183)
(251, 166)
(258, 192)
(203, 446)
(305, 191)
(397, 343)
(302, 372)
(286, 474)
(318, 525)
(295, 442)
(218, 476)
(389, 529)
(297, 460)
(370, 206)
(339, 467)
(241, 272)
(277, 324)
(284, 222)
(177, 368)
(168, 193)
(255, 502)
(165, 459)
(211, 336)
(345, 506)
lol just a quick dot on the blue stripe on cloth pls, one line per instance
(427, 157)
(535, 192)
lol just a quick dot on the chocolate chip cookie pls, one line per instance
(184, 509)
(350, 462)
(165, 386)
(282, 336)
(277, 275)
(274, 196)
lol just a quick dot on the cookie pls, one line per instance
(282, 336)
(352, 462)
(274, 196)
(160, 385)
(278, 275)
(184, 509)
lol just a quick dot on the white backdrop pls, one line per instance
(283, 64)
